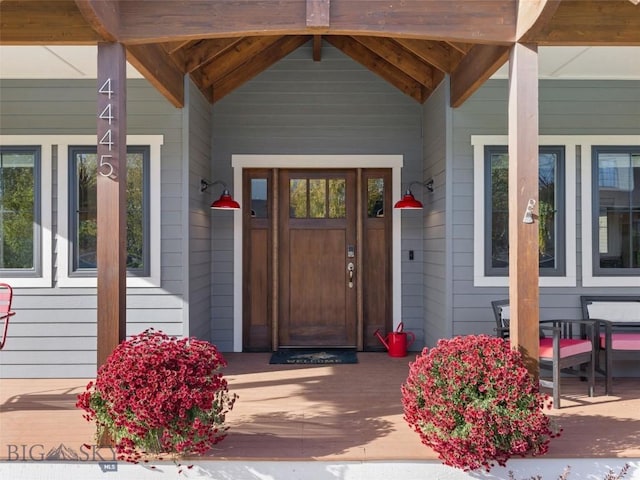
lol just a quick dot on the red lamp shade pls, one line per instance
(408, 202)
(225, 202)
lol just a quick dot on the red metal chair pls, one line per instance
(6, 295)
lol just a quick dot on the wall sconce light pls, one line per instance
(528, 214)
(409, 202)
(225, 202)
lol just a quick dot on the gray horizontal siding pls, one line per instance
(53, 333)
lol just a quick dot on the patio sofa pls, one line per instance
(617, 320)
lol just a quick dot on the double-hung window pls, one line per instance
(83, 211)
(615, 173)
(20, 218)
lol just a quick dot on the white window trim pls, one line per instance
(479, 277)
(588, 279)
(238, 162)
(45, 278)
(154, 142)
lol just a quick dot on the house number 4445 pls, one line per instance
(105, 167)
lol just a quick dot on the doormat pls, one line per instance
(313, 356)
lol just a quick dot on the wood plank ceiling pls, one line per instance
(412, 44)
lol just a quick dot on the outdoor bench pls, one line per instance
(617, 320)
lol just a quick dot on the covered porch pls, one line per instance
(319, 415)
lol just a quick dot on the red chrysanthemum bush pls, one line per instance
(157, 394)
(472, 400)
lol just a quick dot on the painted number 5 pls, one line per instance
(106, 168)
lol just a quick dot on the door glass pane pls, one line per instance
(375, 197)
(337, 198)
(298, 198)
(317, 198)
(17, 209)
(618, 210)
(259, 198)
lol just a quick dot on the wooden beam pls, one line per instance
(231, 59)
(173, 47)
(523, 188)
(534, 16)
(103, 16)
(272, 54)
(399, 57)
(467, 21)
(156, 66)
(44, 23)
(111, 197)
(461, 47)
(439, 54)
(380, 67)
(318, 13)
(474, 69)
(317, 48)
(204, 51)
(590, 23)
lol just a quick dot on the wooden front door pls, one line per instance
(316, 258)
(317, 245)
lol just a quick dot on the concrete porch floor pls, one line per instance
(315, 413)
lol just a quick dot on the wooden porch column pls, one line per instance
(112, 197)
(523, 188)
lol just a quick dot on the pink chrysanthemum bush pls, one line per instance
(157, 394)
(472, 400)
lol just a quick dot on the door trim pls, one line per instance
(239, 162)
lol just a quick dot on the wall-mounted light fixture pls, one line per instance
(225, 202)
(409, 202)
(528, 214)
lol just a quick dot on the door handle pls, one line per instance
(350, 268)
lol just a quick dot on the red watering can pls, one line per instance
(397, 342)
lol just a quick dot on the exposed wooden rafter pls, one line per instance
(441, 55)
(245, 72)
(156, 66)
(241, 53)
(202, 52)
(380, 66)
(476, 67)
(405, 61)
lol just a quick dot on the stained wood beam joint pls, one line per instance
(318, 13)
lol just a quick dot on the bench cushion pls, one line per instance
(568, 347)
(622, 341)
(615, 311)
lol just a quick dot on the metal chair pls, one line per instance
(6, 295)
(564, 345)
